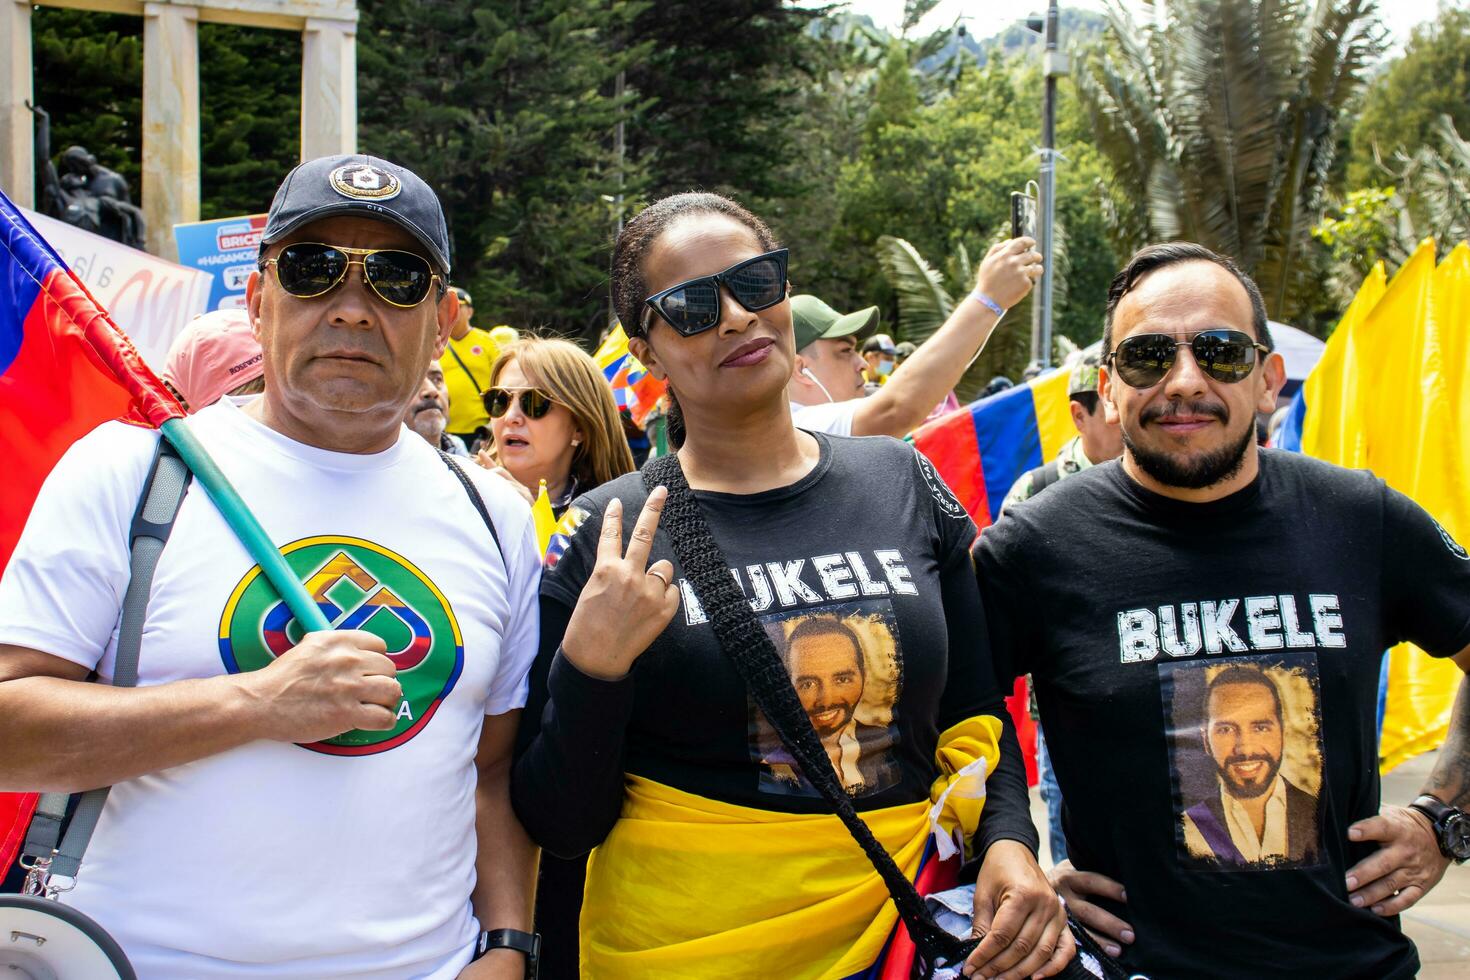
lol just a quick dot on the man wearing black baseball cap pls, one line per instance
(826, 388)
(333, 804)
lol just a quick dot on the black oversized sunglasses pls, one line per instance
(694, 306)
(534, 403)
(310, 269)
(1228, 356)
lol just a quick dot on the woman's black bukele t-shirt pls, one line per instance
(861, 573)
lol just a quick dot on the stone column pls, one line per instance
(328, 87)
(17, 128)
(170, 122)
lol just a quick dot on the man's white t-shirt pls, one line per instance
(350, 858)
(833, 418)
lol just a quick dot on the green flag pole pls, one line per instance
(245, 526)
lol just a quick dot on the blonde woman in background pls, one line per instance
(553, 418)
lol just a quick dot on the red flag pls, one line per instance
(65, 368)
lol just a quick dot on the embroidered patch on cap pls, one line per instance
(365, 182)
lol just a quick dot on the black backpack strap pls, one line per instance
(153, 521)
(475, 498)
(1045, 475)
(750, 649)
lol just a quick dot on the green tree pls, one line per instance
(249, 116)
(1221, 126)
(1401, 110)
(88, 74)
(506, 108)
(722, 81)
(940, 175)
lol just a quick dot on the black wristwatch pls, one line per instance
(522, 942)
(1451, 825)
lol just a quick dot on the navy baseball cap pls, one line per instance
(354, 183)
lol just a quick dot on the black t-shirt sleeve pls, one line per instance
(569, 747)
(970, 686)
(1010, 616)
(1426, 579)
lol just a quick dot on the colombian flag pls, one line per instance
(985, 447)
(65, 368)
(633, 387)
(1392, 394)
(981, 451)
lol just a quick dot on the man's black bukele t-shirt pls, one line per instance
(861, 573)
(1207, 676)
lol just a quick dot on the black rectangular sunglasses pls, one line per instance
(693, 307)
(1144, 360)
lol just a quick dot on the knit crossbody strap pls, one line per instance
(755, 657)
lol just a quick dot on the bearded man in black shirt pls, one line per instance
(1218, 635)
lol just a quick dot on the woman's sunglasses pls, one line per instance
(693, 307)
(310, 269)
(534, 404)
(1228, 356)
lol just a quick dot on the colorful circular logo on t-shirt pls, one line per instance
(357, 585)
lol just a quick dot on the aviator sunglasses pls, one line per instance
(694, 306)
(534, 404)
(1228, 356)
(310, 269)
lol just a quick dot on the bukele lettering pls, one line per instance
(1226, 626)
(803, 582)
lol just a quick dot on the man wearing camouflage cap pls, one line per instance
(1096, 440)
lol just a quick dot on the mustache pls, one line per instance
(427, 403)
(1235, 760)
(1153, 413)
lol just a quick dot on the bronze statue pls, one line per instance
(85, 194)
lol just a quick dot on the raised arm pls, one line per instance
(567, 785)
(1006, 276)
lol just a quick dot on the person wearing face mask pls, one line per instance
(826, 388)
(715, 854)
(552, 418)
(880, 354)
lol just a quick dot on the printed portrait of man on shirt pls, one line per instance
(1247, 761)
(846, 669)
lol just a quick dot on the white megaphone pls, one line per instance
(41, 939)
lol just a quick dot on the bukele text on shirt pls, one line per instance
(832, 578)
(1271, 622)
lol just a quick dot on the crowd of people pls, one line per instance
(759, 680)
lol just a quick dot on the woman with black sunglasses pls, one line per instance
(715, 854)
(552, 419)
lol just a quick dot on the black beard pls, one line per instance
(1206, 471)
(1248, 792)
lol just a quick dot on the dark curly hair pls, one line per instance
(638, 236)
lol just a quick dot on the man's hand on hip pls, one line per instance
(1406, 865)
(1077, 888)
(329, 683)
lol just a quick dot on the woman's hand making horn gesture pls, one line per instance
(626, 602)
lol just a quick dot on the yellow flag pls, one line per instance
(1332, 429)
(545, 520)
(1419, 444)
(1392, 394)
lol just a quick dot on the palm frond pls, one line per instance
(923, 302)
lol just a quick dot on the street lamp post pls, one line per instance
(1054, 65)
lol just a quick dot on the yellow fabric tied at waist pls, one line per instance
(687, 887)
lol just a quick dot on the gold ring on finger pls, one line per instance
(660, 576)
